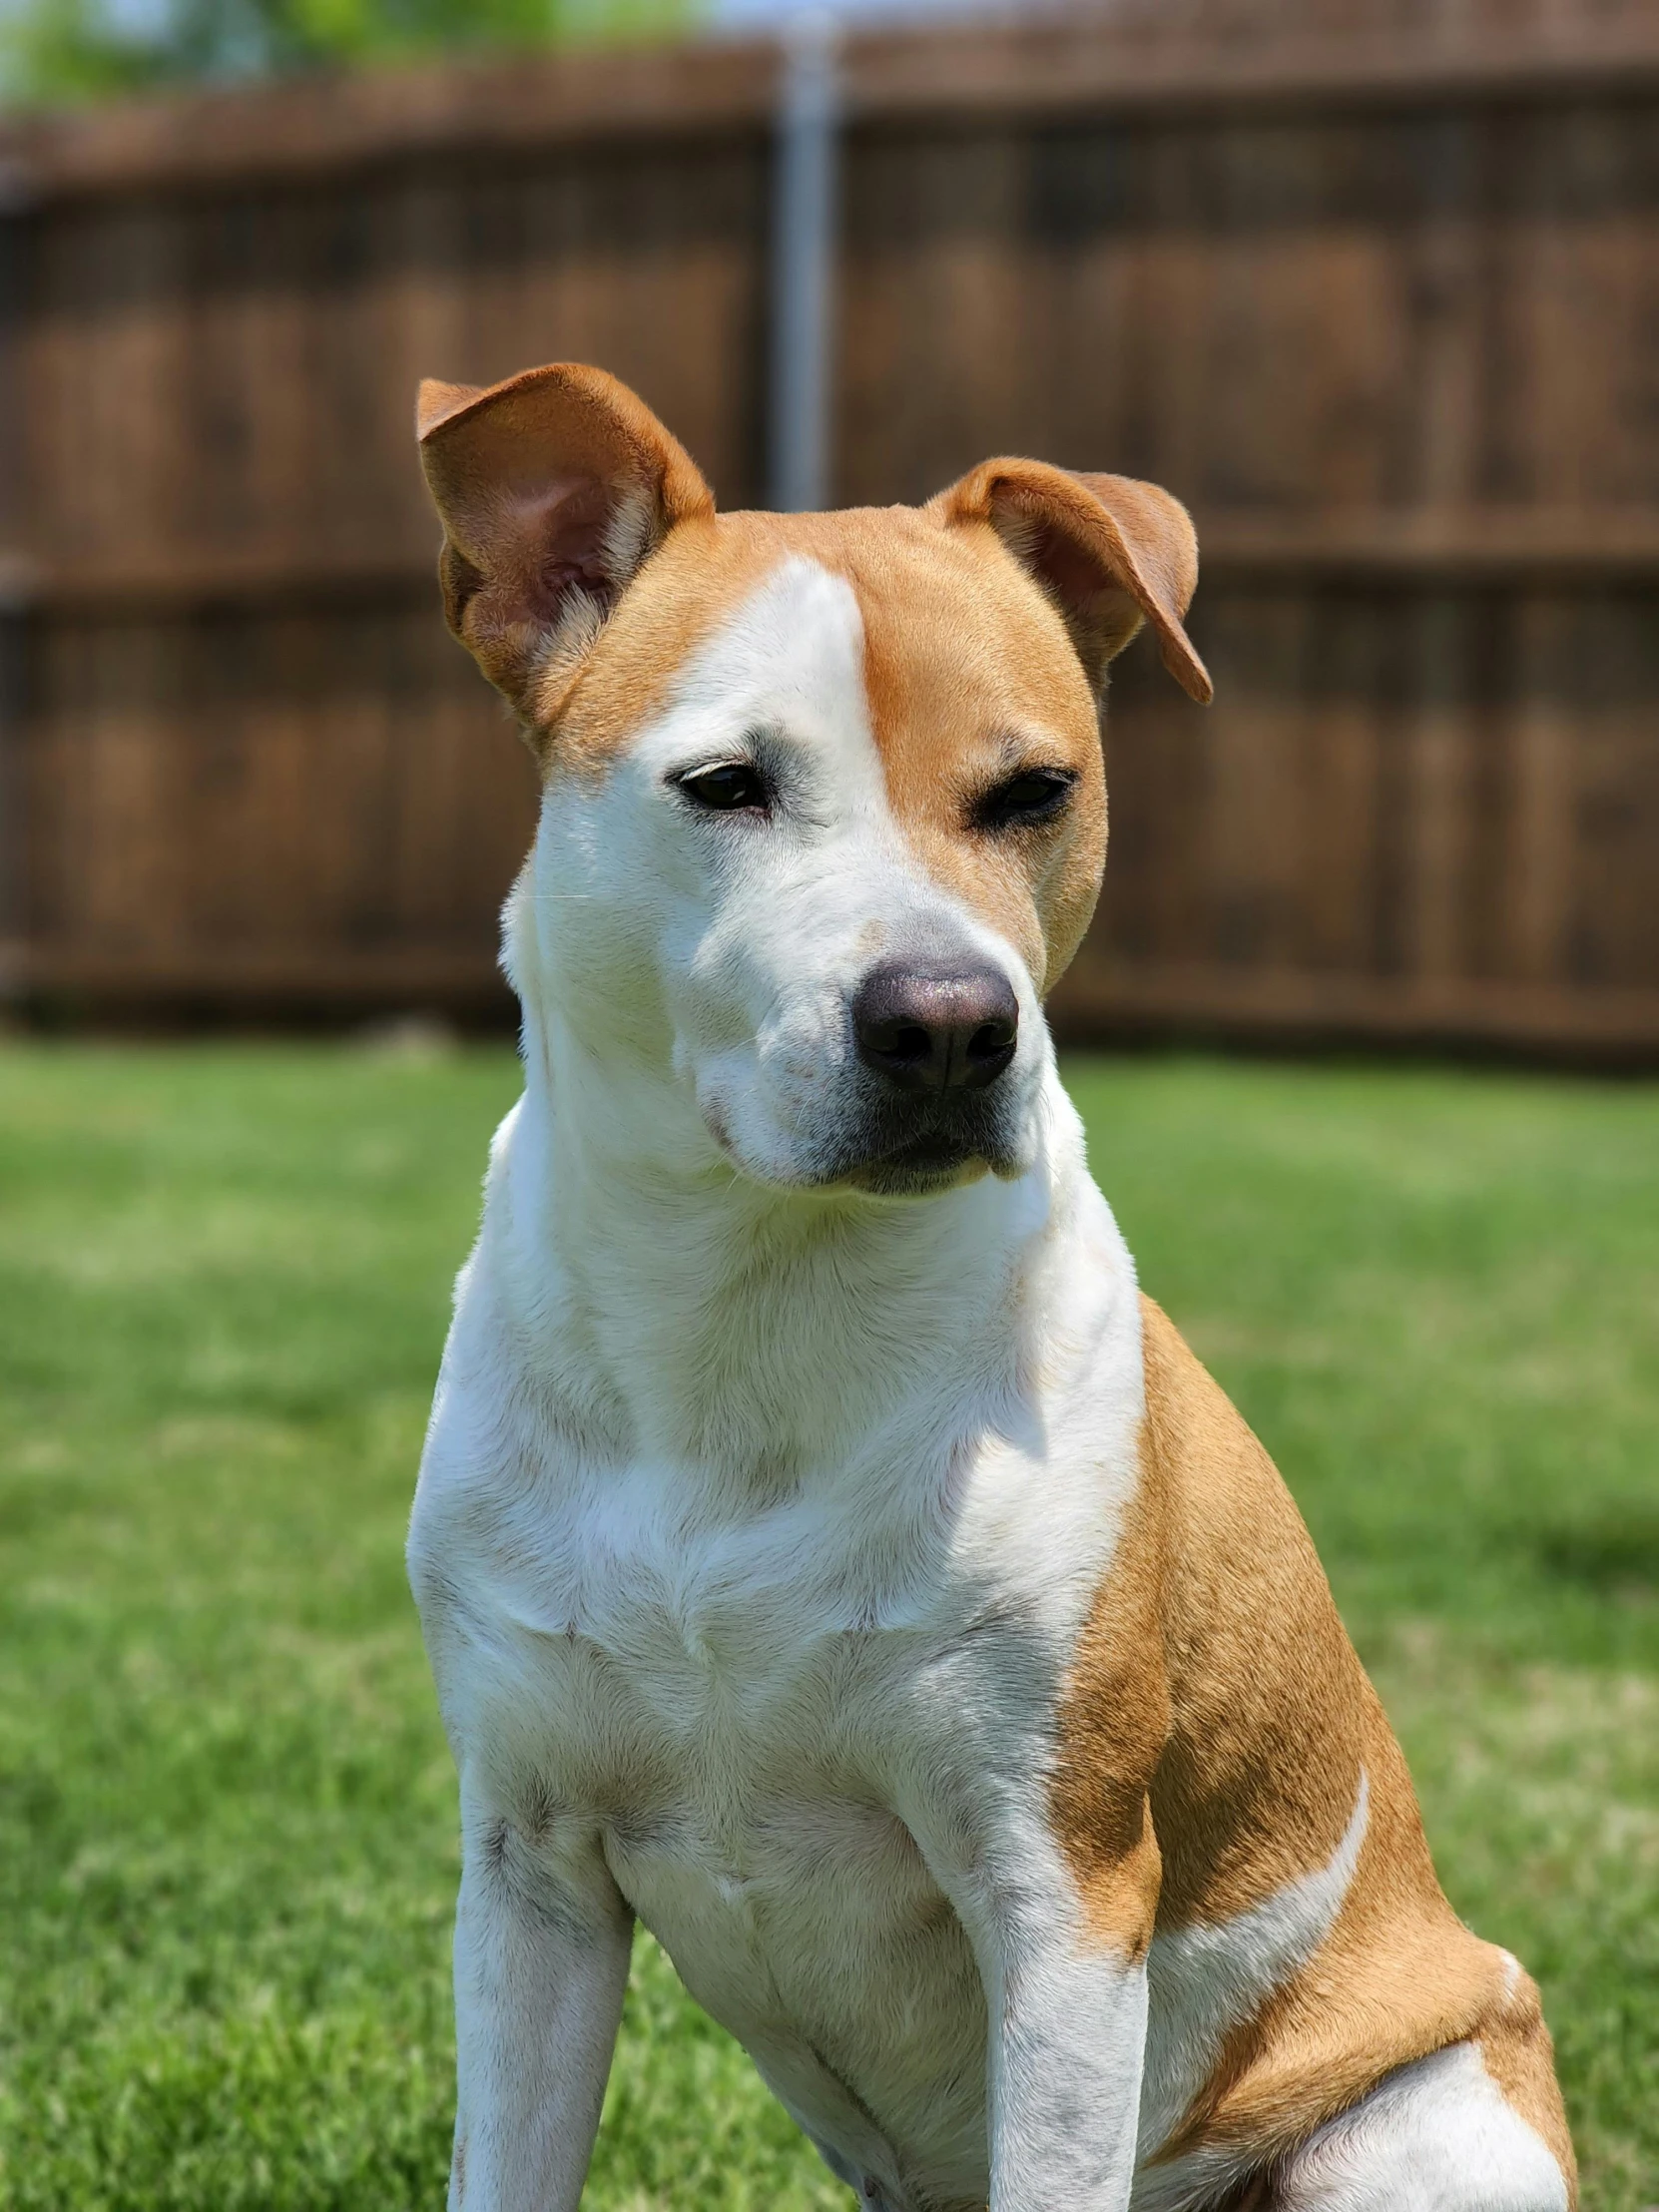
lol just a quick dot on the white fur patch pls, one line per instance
(1436, 2136)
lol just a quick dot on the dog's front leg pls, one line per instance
(542, 1936)
(1066, 2004)
(1066, 2054)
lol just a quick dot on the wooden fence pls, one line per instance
(1377, 292)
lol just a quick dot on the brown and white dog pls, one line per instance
(825, 1553)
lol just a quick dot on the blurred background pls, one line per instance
(1373, 287)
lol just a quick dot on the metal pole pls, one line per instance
(802, 265)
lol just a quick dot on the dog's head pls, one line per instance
(824, 814)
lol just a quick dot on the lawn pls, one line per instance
(226, 1815)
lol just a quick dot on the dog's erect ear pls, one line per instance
(1111, 553)
(553, 488)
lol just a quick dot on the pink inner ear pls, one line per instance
(1061, 562)
(557, 536)
(1084, 588)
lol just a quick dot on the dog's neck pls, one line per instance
(738, 1327)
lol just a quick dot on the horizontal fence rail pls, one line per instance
(1374, 288)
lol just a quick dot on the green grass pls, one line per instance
(227, 1815)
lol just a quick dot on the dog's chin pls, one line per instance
(921, 1170)
(918, 1152)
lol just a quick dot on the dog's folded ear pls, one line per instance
(1110, 551)
(554, 487)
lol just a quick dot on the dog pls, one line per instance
(826, 1555)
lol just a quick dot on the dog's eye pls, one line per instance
(726, 791)
(1034, 794)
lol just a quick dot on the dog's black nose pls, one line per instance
(936, 1029)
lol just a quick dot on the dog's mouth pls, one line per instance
(910, 1149)
(928, 1164)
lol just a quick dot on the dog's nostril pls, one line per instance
(936, 1029)
(908, 1041)
(990, 1038)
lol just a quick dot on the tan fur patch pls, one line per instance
(1259, 1779)
(1270, 1717)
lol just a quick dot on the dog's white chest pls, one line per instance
(729, 1710)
